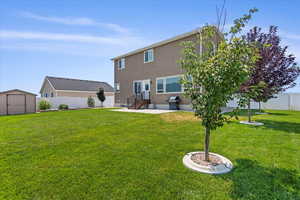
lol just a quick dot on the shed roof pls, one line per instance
(17, 90)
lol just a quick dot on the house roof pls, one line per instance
(178, 37)
(59, 83)
(17, 90)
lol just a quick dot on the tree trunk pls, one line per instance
(206, 145)
(259, 107)
(101, 104)
(249, 112)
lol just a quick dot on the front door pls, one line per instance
(146, 89)
(137, 87)
(142, 87)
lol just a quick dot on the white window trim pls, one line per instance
(120, 67)
(133, 83)
(116, 87)
(142, 83)
(148, 57)
(165, 84)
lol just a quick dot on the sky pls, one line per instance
(77, 39)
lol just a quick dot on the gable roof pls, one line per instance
(59, 83)
(178, 37)
(17, 90)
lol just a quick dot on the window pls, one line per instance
(46, 95)
(117, 87)
(137, 87)
(160, 86)
(173, 84)
(169, 85)
(188, 78)
(148, 56)
(52, 94)
(121, 63)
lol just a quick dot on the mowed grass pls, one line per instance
(103, 154)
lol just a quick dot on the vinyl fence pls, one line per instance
(77, 102)
(285, 101)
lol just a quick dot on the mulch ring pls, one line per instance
(198, 158)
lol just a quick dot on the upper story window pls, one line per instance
(169, 85)
(121, 63)
(117, 87)
(148, 56)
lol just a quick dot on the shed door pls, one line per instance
(16, 104)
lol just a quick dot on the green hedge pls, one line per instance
(44, 105)
(63, 107)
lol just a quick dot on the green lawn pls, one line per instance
(101, 154)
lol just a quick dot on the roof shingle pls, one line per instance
(78, 85)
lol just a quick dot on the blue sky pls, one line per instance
(76, 39)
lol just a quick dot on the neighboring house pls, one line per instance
(153, 70)
(74, 92)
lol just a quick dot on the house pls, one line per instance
(152, 73)
(74, 92)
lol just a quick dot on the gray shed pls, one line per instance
(17, 102)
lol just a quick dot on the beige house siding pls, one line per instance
(80, 94)
(47, 88)
(165, 64)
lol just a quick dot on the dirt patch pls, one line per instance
(179, 117)
(199, 159)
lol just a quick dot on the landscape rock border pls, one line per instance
(252, 123)
(223, 168)
(261, 113)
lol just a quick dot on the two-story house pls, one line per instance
(153, 70)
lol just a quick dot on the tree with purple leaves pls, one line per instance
(275, 68)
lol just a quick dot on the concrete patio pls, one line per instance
(148, 111)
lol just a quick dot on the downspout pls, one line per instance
(200, 46)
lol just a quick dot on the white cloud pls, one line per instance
(71, 44)
(28, 35)
(291, 36)
(82, 21)
(61, 48)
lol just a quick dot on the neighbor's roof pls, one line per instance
(78, 85)
(178, 37)
(17, 90)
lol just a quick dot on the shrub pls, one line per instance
(90, 102)
(63, 107)
(44, 105)
(101, 96)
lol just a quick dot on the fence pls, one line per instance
(285, 101)
(77, 102)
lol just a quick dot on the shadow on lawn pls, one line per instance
(252, 181)
(277, 114)
(290, 127)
